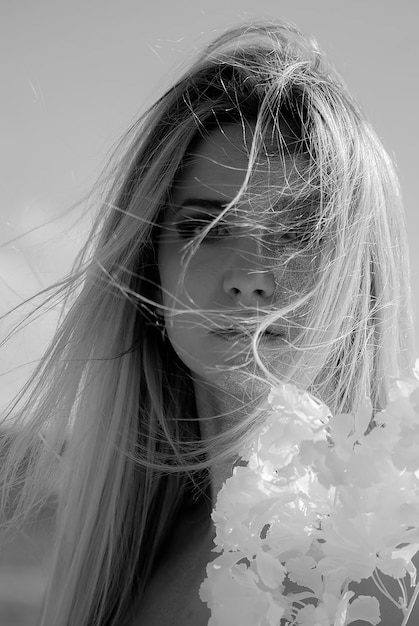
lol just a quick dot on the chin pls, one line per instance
(235, 370)
(239, 382)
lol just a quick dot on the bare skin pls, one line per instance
(172, 597)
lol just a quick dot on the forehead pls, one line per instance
(217, 166)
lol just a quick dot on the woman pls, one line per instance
(252, 232)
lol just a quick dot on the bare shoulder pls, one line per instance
(172, 596)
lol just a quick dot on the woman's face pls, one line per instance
(241, 270)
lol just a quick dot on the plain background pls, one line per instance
(74, 76)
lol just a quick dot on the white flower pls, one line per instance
(330, 611)
(322, 503)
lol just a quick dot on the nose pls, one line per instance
(247, 280)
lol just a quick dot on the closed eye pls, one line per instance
(191, 225)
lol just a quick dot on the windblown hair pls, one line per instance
(111, 406)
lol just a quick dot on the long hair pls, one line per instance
(110, 409)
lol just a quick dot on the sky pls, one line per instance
(75, 75)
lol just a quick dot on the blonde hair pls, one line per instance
(111, 405)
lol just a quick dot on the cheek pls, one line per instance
(297, 276)
(191, 287)
(170, 272)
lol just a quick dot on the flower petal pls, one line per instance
(270, 569)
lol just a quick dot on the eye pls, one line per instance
(191, 225)
(290, 237)
(295, 236)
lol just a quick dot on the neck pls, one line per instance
(220, 409)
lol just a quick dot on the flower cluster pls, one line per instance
(322, 503)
